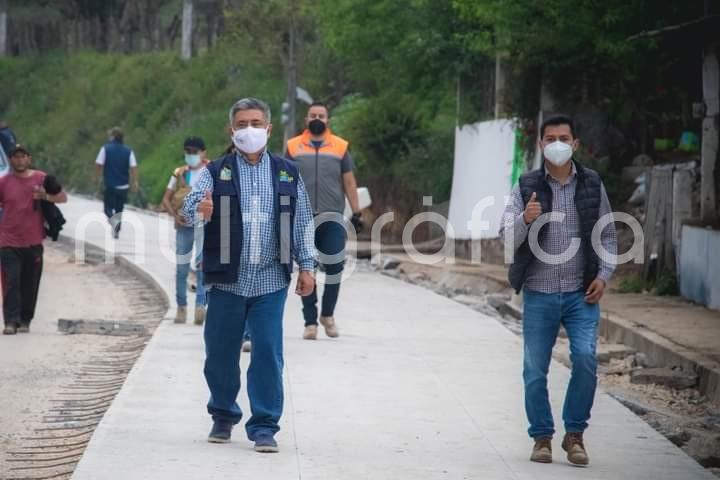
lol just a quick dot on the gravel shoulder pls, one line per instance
(37, 368)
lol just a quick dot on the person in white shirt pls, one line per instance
(116, 165)
(181, 183)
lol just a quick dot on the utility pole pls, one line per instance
(710, 134)
(502, 108)
(187, 30)
(3, 27)
(291, 76)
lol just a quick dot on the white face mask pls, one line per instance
(250, 139)
(558, 153)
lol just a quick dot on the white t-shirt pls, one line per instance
(100, 160)
(191, 178)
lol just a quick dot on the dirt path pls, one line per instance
(41, 368)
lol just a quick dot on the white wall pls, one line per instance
(482, 168)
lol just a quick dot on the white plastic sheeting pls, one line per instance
(482, 177)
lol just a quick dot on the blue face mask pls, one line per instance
(193, 160)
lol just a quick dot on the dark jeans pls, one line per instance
(329, 240)
(543, 314)
(21, 272)
(227, 316)
(113, 203)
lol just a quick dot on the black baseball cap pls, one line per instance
(195, 142)
(18, 148)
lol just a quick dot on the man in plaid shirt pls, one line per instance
(563, 276)
(258, 221)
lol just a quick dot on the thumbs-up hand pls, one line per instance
(205, 208)
(533, 209)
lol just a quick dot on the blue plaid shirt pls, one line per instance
(260, 271)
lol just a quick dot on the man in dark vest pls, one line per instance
(116, 165)
(562, 277)
(258, 221)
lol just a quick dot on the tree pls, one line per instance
(187, 29)
(3, 27)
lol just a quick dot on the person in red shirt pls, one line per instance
(21, 236)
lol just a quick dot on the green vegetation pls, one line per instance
(61, 106)
(664, 285)
(635, 284)
(398, 75)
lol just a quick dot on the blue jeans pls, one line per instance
(542, 316)
(329, 240)
(227, 316)
(185, 237)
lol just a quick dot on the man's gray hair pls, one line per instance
(116, 133)
(250, 104)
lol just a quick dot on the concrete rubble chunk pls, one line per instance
(510, 309)
(417, 277)
(100, 327)
(497, 300)
(668, 377)
(641, 360)
(470, 300)
(390, 263)
(610, 351)
(618, 366)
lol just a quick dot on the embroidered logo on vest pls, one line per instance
(285, 177)
(226, 174)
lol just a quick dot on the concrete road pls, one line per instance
(416, 387)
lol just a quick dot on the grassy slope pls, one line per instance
(61, 107)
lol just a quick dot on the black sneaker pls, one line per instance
(10, 329)
(23, 328)
(265, 443)
(221, 431)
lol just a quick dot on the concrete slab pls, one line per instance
(417, 386)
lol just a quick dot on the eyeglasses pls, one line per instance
(252, 123)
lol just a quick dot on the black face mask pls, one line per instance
(317, 127)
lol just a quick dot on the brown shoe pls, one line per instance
(542, 450)
(181, 314)
(310, 332)
(330, 328)
(200, 312)
(23, 329)
(575, 447)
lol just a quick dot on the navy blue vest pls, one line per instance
(116, 171)
(587, 202)
(224, 233)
